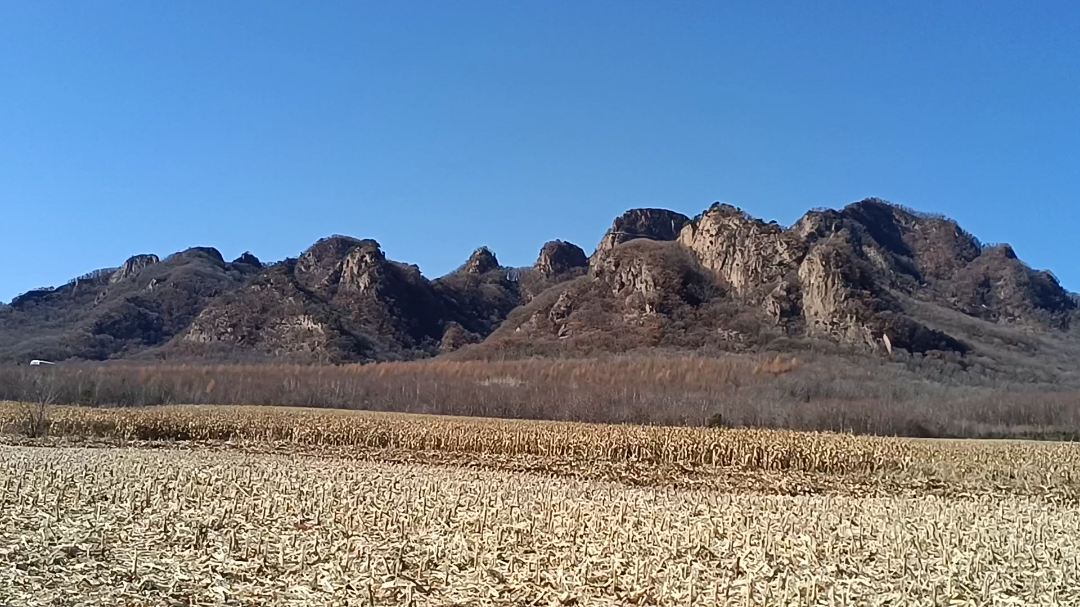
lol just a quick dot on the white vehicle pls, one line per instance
(38, 363)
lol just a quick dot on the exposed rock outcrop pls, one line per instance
(363, 268)
(745, 253)
(320, 267)
(650, 224)
(559, 257)
(481, 261)
(206, 254)
(833, 293)
(557, 262)
(133, 265)
(248, 259)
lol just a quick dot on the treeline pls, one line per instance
(735, 391)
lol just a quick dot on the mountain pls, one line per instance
(118, 312)
(872, 277)
(341, 300)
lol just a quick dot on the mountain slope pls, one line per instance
(871, 277)
(343, 300)
(119, 311)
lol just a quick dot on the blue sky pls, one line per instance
(130, 127)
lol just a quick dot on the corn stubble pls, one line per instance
(961, 524)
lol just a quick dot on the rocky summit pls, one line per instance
(872, 278)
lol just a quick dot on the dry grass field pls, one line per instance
(254, 506)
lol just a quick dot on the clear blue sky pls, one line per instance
(130, 127)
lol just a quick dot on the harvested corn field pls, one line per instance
(1039, 468)
(439, 511)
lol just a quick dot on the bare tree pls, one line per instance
(41, 394)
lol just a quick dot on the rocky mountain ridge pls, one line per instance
(870, 277)
(847, 276)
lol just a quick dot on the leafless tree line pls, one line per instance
(760, 391)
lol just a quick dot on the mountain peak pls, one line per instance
(248, 259)
(133, 265)
(648, 223)
(481, 261)
(557, 257)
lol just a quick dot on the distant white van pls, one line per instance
(38, 363)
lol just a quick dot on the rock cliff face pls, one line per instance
(830, 291)
(742, 252)
(870, 277)
(650, 224)
(481, 261)
(861, 276)
(557, 258)
(323, 266)
(133, 266)
(557, 262)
